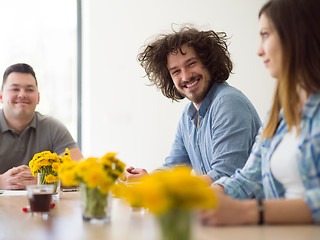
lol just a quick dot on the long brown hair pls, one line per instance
(297, 24)
(210, 46)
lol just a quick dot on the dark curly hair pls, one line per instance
(210, 46)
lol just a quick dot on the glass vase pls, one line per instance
(41, 180)
(175, 224)
(96, 207)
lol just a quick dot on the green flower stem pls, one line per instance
(175, 224)
(42, 181)
(95, 203)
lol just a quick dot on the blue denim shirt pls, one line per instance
(226, 133)
(255, 180)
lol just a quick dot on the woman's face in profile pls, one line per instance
(270, 47)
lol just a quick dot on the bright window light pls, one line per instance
(43, 34)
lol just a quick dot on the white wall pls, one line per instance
(120, 112)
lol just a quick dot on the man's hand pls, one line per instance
(134, 174)
(17, 178)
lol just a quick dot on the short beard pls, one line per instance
(198, 99)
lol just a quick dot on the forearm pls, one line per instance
(2, 185)
(231, 211)
(287, 211)
(248, 209)
(280, 211)
(75, 154)
(219, 188)
(207, 179)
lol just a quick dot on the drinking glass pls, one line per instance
(40, 198)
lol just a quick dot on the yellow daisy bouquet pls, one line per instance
(170, 195)
(168, 190)
(95, 177)
(99, 173)
(46, 164)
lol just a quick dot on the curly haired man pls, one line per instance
(218, 127)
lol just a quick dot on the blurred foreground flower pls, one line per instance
(163, 191)
(170, 195)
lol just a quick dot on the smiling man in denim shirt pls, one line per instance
(218, 127)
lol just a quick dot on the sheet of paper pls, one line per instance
(13, 193)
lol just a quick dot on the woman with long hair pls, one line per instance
(281, 179)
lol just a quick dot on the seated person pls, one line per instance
(218, 127)
(283, 170)
(25, 132)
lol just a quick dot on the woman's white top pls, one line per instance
(284, 165)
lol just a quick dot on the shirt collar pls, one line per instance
(33, 123)
(311, 106)
(4, 125)
(192, 111)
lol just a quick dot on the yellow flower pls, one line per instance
(167, 190)
(84, 166)
(119, 190)
(106, 161)
(67, 166)
(120, 166)
(69, 178)
(47, 163)
(110, 155)
(50, 178)
(34, 169)
(55, 167)
(100, 173)
(66, 156)
(105, 185)
(116, 173)
(67, 152)
(94, 177)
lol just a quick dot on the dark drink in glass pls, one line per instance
(40, 202)
(40, 198)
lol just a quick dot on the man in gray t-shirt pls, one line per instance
(24, 132)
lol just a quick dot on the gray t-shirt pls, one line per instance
(43, 134)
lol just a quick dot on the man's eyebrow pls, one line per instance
(170, 69)
(191, 59)
(187, 61)
(18, 85)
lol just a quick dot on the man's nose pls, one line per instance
(22, 93)
(185, 74)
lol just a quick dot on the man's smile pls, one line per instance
(21, 102)
(193, 81)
